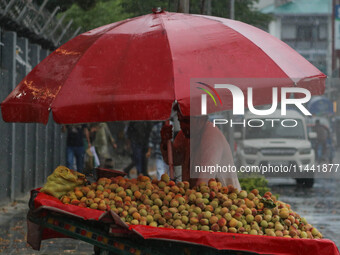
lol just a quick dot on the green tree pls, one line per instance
(52, 4)
(90, 14)
(66, 4)
(138, 7)
(102, 13)
(244, 11)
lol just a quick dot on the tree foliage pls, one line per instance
(66, 4)
(94, 13)
(244, 11)
(102, 13)
(52, 4)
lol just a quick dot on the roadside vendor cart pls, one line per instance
(49, 218)
(134, 70)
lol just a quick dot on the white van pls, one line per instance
(275, 140)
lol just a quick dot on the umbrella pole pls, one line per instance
(170, 159)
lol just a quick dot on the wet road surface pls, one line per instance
(320, 205)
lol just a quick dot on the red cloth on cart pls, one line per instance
(241, 242)
(43, 199)
(217, 240)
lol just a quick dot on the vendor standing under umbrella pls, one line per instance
(211, 148)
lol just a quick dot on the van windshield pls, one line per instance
(277, 129)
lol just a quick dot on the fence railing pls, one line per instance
(36, 23)
(28, 152)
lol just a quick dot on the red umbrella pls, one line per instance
(136, 68)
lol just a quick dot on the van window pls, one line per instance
(278, 131)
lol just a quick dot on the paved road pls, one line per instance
(320, 205)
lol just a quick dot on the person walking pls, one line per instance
(323, 135)
(75, 145)
(138, 133)
(155, 149)
(91, 157)
(103, 140)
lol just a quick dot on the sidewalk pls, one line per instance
(13, 231)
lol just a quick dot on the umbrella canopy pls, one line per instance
(135, 69)
(320, 105)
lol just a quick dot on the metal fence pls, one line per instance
(28, 152)
(36, 23)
